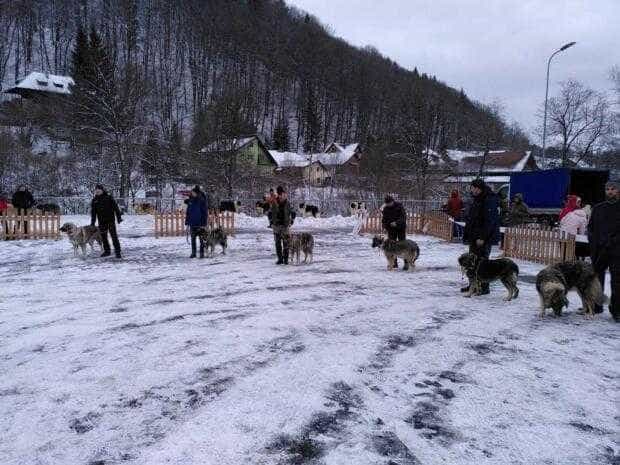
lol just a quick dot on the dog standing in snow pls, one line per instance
(81, 236)
(482, 270)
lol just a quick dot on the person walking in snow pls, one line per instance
(196, 218)
(105, 211)
(394, 220)
(281, 216)
(604, 238)
(482, 224)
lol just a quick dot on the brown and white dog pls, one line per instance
(81, 236)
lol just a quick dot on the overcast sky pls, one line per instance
(493, 49)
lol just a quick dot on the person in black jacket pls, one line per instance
(282, 219)
(394, 221)
(105, 210)
(604, 239)
(482, 223)
(196, 218)
(23, 201)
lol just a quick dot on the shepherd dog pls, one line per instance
(554, 282)
(408, 250)
(81, 236)
(308, 210)
(482, 270)
(210, 238)
(301, 242)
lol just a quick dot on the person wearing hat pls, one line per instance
(482, 223)
(394, 221)
(196, 217)
(519, 211)
(281, 222)
(604, 239)
(104, 209)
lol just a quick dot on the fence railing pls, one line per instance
(433, 223)
(149, 205)
(539, 244)
(173, 223)
(29, 226)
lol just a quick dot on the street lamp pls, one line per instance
(561, 49)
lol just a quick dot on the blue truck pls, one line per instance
(545, 191)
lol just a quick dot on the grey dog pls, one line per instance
(81, 236)
(210, 238)
(407, 249)
(301, 242)
(554, 282)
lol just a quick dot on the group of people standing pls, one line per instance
(482, 228)
(22, 200)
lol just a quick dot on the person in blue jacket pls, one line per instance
(196, 217)
(482, 223)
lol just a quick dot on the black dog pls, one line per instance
(308, 210)
(49, 208)
(481, 270)
(230, 206)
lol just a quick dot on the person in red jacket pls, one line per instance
(4, 207)
(4, 204)
(455, 205)
(572, 203)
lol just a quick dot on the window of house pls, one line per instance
(42, 83)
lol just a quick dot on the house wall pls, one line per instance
(315, 174)
(254, 156)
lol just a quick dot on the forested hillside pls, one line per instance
(157, 79)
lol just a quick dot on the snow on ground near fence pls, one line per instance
(158, 359)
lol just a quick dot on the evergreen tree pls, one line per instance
(80, 56)
(281, 136)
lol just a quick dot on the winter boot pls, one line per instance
(193, 255)
(106, 254)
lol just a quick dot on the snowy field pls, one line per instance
(158, 359)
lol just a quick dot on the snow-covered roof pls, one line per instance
(43, 82)
(290, 159)
(497, 160)
(487, 179)
(336, 154)
(228, 144)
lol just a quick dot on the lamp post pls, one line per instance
(561, 49)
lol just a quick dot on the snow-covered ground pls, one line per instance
(158, 359)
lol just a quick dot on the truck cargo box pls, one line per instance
(547, 189)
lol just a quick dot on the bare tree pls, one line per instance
(580, 118)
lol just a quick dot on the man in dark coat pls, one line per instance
(482, 223)
(196, 217)
(23, 201)
(604, 239)
(105, 211)
(394, 221)
(281, 216)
